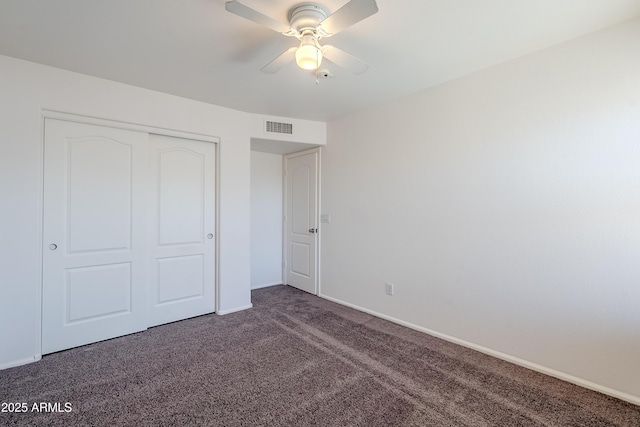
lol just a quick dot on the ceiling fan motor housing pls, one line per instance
(306, 16)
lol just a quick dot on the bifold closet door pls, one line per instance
(182, 227)
(95, 234)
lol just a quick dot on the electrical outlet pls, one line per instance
(389, 288)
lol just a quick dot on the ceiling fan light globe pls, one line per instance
(308, 57)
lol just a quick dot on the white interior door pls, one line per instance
(182, 226)
(301, 221)
(94, 258)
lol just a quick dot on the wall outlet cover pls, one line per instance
(389, 288)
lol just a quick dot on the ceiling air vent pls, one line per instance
(277, 127)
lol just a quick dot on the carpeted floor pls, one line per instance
(294, 360)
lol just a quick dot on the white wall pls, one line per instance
(505, 207)
(26, 89)
(266, 219)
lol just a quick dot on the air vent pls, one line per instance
(277, 127)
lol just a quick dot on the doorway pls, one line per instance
(270, 258)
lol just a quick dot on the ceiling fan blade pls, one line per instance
(246, 12)
(349, 14)
(344, 60)
(282, 60)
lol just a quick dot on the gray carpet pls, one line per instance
(295, 360)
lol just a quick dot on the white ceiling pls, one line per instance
(195, 49)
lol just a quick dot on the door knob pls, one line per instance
(209, 236)
(313, 230)
(53, 246)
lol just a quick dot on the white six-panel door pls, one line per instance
(182, 224)
(301, 226)
(94, 256)
(128, 232)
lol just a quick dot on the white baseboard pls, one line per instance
(265, 285)
(20, 362)
(234, 310)
(515, 360)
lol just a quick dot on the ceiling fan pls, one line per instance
(310, 22)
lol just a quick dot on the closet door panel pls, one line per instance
(182, 224)
(94, 263)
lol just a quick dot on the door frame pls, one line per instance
(285, 252)
(90, 120)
